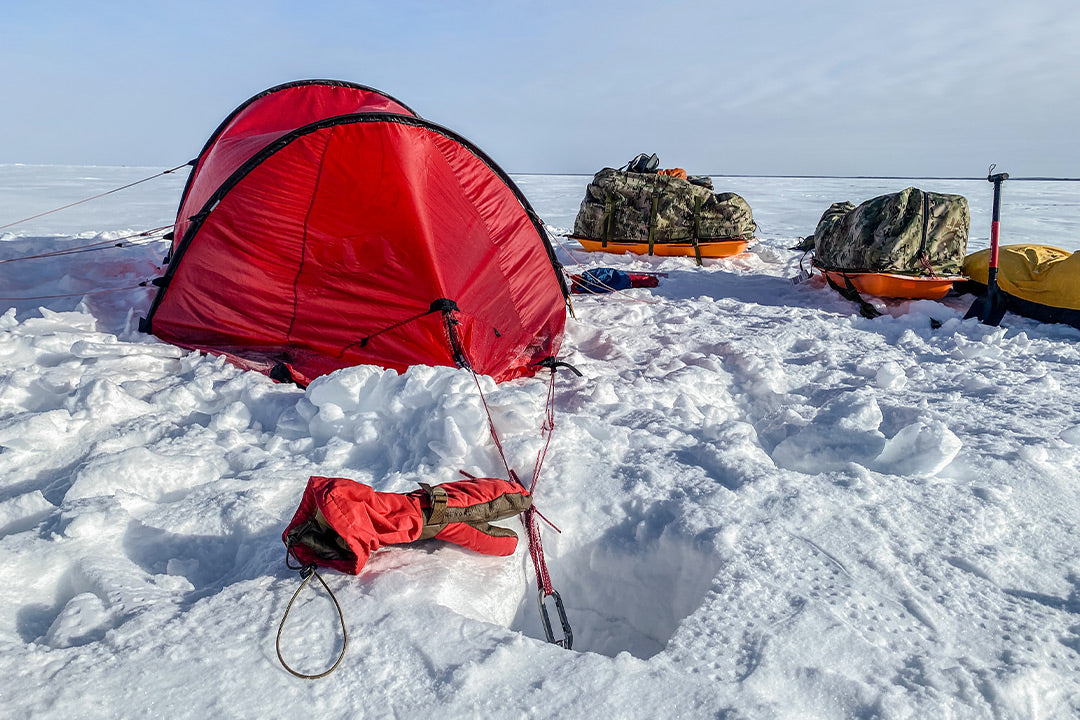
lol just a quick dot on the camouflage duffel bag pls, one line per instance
(910, 232)
(651, 207)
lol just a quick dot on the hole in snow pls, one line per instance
(626, 592)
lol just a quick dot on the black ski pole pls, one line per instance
(991, 307)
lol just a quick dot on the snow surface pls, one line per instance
(770, 506)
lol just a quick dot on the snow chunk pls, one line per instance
(844, 431)
(921, 448)
(22, 512)
(890, 376)
(139, 471)
(36, 432)
(1071, 435)
(84, 619)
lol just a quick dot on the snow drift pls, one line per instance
(770, 506)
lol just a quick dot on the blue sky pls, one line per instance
(838, 87)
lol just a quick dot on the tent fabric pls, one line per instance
(266, 117)
(360, 237)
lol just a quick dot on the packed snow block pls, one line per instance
(654, 207)
(846, 430)
(922, 448)
(909, 232)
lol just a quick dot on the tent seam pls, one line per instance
(303, 246)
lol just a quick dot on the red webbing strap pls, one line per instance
(536, 551)
(491, 428)
(546, 431)
(529, 517)
(925, 262)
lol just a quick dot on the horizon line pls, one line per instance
(780, 176)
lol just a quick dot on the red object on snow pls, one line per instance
(367, 520)
(643, 280)
(604, 280)
(326, 225)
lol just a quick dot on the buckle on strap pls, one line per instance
(437, 515)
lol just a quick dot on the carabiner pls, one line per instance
(568, 634)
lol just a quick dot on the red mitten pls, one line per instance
(340, 522)
(460, 512)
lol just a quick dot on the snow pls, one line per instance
(770, 507)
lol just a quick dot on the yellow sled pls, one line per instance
(1040, 281)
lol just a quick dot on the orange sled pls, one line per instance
(891, 285)
(708, 248)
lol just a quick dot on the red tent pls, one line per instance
(326, 225)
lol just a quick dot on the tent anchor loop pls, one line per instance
(553, 363)
(450, 323)
(307, 572)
